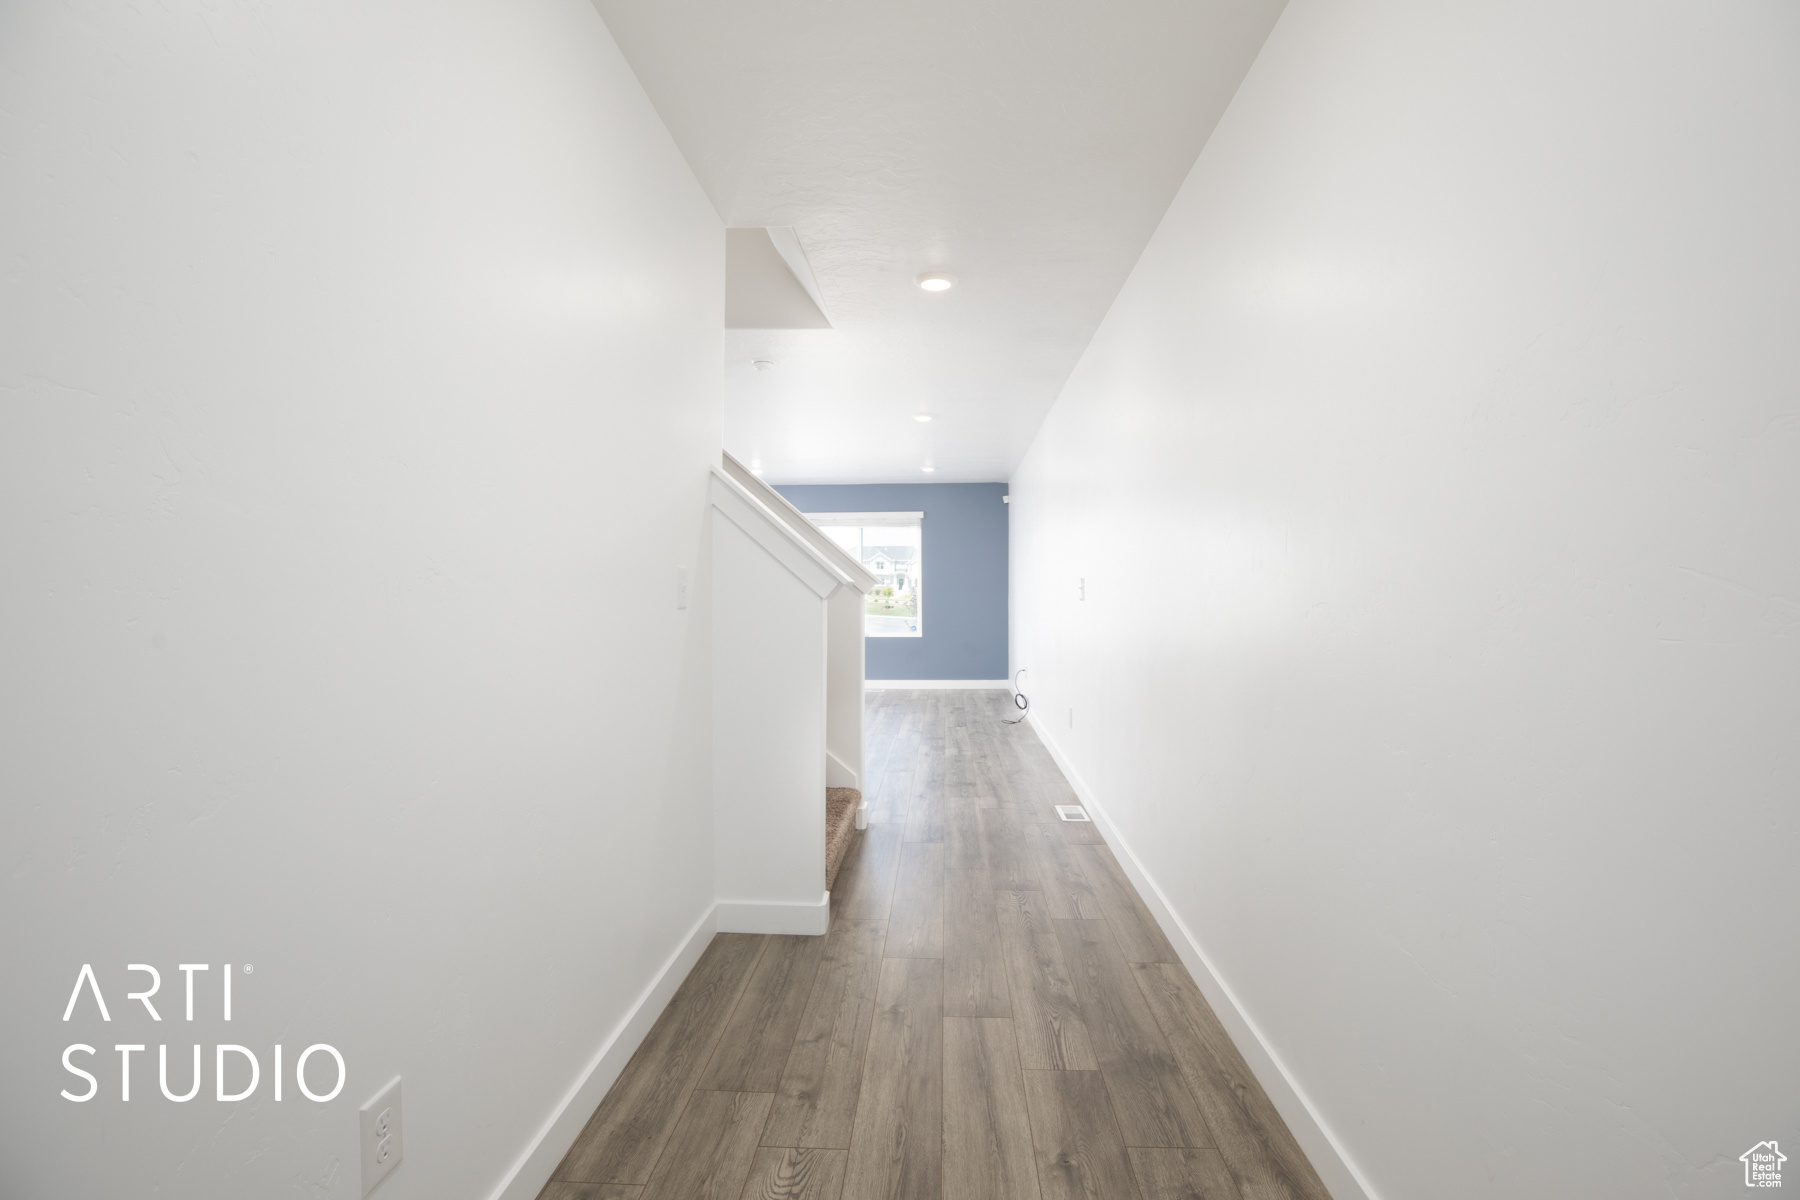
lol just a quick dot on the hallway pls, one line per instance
(993, 1013)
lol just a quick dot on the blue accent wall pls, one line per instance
(964, 566)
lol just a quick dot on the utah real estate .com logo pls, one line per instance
(1762, 1165)
(242, 1064)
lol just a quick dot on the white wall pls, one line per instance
(1436, 482)
(768, 735)
(358, 380)
(845, 645)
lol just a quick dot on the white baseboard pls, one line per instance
(1325, 1152)
(534, 1168)
(950, 685)
(739, 916)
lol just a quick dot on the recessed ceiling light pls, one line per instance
(921, 416)
(763, 364)
(928, 470)
(937, 281)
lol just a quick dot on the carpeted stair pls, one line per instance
(840, 827)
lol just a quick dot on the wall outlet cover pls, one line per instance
(382, 1145)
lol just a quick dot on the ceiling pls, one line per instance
(1029, 147)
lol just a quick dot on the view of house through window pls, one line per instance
(888, 544)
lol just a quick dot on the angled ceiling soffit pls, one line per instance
(768, 284)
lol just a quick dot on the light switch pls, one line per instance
(681, 587)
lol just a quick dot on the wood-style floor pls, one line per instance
(993, 1014)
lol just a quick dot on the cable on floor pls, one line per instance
(1019, 700)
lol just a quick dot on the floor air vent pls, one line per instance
(1071, 812)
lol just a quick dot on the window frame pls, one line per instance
(882, 520)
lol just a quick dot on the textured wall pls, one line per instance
(1436, 480)
(964, 633)
(359, 373)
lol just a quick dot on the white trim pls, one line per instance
(534, 1168)
(784, 511)
(888, 520)
(787, 244)
(769, 531)
(764, 916)
(936, 685)
(1327, 1155)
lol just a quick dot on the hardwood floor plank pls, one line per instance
(1150, 1098)
(992, 769)
(974, 966)
(916, 923)
(927, 804)
(1035, 802)
(815, 1103)
(888, 762)
(1046, 1015)
(959, 747)
(1254, 1142)
(786, 1173)
(1004, 851)
(896, 1150)
(889, 803)
(1066, 889)
(754, 1047)
(865, 883)
(962, 834)
(1080, 1155)
(709, 1154)
(973, 757)
(1013, 789)
(1047, 778)
(589, 1191)
(987, 1130)
(1140, 938)
(925, 801)
(623, 1139)
(1051, 789)
(1182, 1174)
(1078, 833)
(882, 719)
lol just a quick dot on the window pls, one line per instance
(891, 546)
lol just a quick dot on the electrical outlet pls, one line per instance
(1081, 588)
(382, 1145)
(681, 587)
